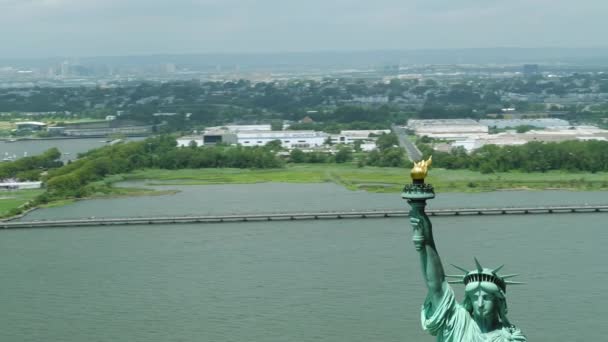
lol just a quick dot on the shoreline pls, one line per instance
(132, 192)
(351, 177)
(14, 140)
(21, 215)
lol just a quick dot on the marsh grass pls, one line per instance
(12, 199)
(377, 179)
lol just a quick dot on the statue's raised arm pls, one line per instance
(482, 316)
(417, 193)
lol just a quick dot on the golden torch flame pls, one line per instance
(420, 169)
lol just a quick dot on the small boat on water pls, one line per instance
(8, 158)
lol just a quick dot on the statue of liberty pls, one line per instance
(482, 316)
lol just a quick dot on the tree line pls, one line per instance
(588, 156)
(30, 168)
(158, 152)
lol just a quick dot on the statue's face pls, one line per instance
(484, 305)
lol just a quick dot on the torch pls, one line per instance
(416, 194)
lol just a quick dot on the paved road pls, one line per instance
(413, 153)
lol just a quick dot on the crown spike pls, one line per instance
(454, 282)
(498, 268)
(461, 268)
(506, 276)
(510, 282)
(479, 267)
(455, 276)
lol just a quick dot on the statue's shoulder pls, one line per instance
(514, 333)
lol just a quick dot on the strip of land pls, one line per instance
(373, 179)
(377, 179)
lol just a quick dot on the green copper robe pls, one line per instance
(451, 322)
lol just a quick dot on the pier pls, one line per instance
(298, 216)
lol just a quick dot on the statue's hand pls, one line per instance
(418, 237)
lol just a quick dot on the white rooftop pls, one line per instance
(32, 123)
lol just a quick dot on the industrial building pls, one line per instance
(349, 137)
(541, 123)
(288, 139)
(30, 126)
(103, 128)
(449, 129)
(241, 128)
(552, 134)
(15, 185)
(208, 138)
(93, 132)
(471, 135)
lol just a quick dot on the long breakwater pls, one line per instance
(326, 215)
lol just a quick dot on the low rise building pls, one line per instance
(241, 128)
(104, 128)
(30, 125)
(15, 185)
(368, 147)
(208, 138)
(350, 136)
(288, 139)
(126, 130)
(551, 134)
(186, 141)
(376, 99)
(542, 122)
(449, 129)
(164, 114)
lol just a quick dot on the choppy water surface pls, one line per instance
(350, 280)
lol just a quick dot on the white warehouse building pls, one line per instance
(241, 128)
(289, 139)
(450, 129)
(349, 137)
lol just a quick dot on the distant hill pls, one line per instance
(571, 56)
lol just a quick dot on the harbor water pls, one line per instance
(343, 280)
(69, 148)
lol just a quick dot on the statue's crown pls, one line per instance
(484, 275)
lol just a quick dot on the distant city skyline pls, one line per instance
(49, 28)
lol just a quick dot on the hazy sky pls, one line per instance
(41, 28)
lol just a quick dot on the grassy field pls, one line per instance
(5, 125)
(379, 179)
(14, 199)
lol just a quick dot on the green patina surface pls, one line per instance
(482, 315)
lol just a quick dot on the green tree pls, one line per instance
(357, 145)
(297, 156)
(274, 145)
(276, 125)
(386, 141)
(343, 155)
